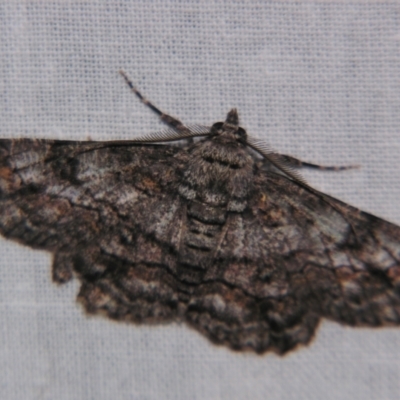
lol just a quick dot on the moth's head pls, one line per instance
(230, 127)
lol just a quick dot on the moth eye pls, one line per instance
(241, 133)
(216, 127)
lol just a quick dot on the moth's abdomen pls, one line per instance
(203, 230)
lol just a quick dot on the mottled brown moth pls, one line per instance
(218, 232)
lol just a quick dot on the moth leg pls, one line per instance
(167, 119)
(296, 163)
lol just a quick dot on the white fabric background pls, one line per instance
(317, 80)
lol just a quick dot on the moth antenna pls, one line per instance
(171, 121)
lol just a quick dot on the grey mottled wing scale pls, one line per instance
(258, 277)
(61, 196)
(314, 256)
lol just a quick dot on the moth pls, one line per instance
(220, 233)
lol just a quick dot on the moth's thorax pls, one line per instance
(219, 173)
